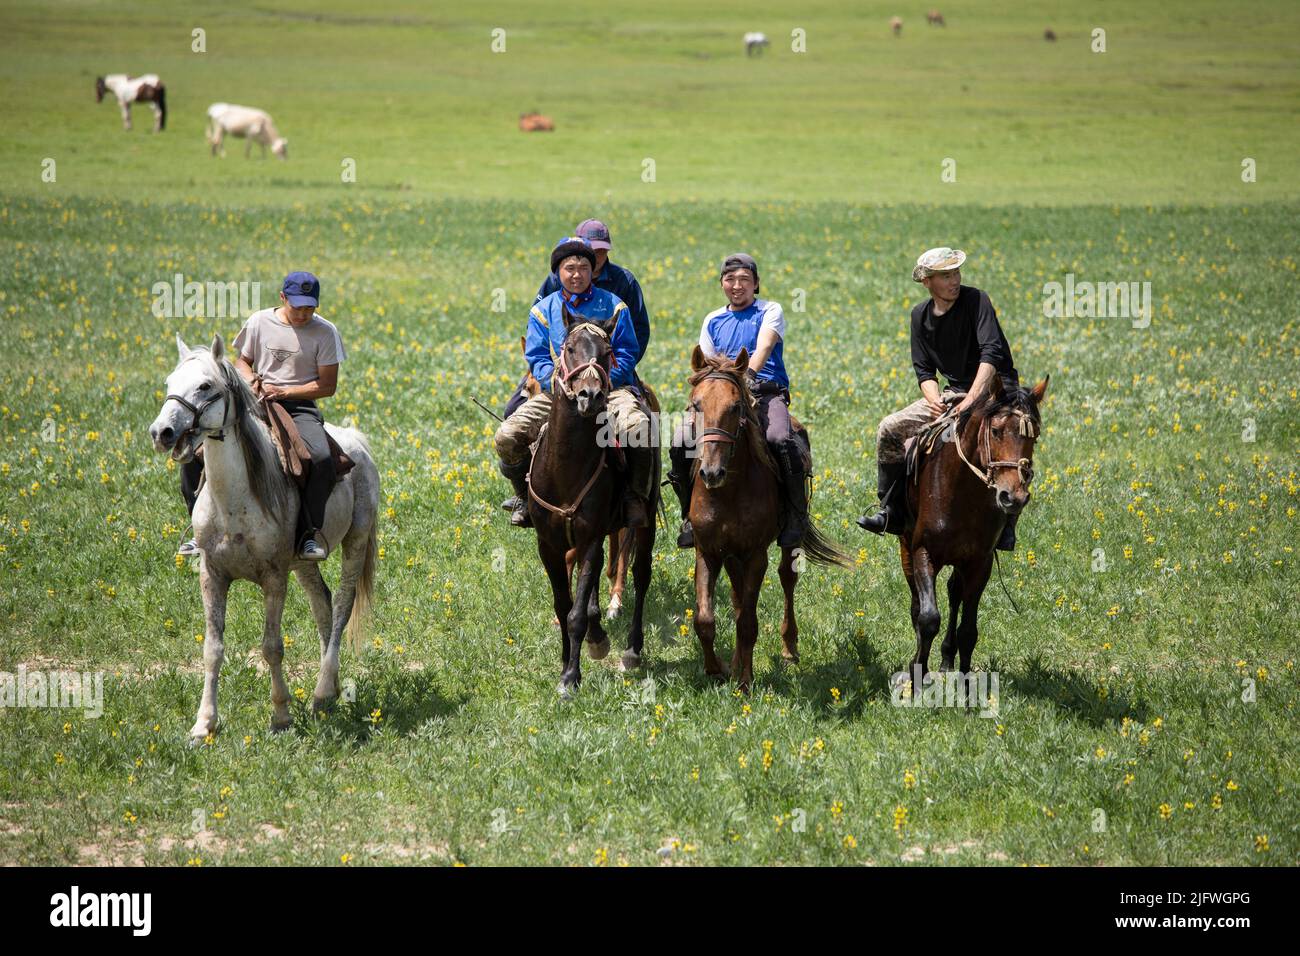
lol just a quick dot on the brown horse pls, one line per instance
(573, 499)
(622, 541)
(735, 512)
(958, 504)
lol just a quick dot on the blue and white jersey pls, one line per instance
(726, 333)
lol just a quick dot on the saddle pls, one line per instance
(921, 445)
(295, 457)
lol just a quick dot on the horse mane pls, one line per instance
(724, 366)
(265, 478)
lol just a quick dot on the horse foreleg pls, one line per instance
(215, 588)
(577, 621)
(597, 639)
(273, 654)
(555, 561)
(746, 579)
(968, 633)
(641, 571)
(949, 647)
(707, 567)
(789, 626)
(926, 616)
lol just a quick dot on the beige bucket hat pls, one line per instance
(941, 259)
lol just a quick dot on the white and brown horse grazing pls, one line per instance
(754, 43)
(243, 122)
(135, 89)
(244, 522)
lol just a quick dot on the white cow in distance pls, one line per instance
(225, 119)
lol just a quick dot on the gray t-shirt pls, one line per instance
(286, 355)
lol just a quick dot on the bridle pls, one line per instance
(567, 375)
(198, 410)
(721, 435)
(983, 443)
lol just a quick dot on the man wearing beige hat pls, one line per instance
(955, 333)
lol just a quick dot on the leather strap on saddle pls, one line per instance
(296, 462)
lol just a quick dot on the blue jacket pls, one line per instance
(546, 333)
(623, 284)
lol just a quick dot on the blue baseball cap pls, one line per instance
(595, 232)
(301, 288)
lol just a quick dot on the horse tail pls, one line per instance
(365, 591)
(162, 107)
(819, 549)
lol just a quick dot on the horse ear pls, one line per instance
(697, 359)
(218, 347)
(742, 361)
(182, 350)
(523, 344)
(568, 316)
(1039, 391)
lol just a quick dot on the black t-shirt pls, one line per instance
(955, 343)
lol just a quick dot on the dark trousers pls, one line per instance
(774, 416)
(320, 481)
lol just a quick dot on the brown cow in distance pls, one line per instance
(536, 123)
(935, 19)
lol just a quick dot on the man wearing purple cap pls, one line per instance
(294, 354)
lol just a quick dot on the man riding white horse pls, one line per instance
(293, 356)
(573, 260)
(955, 333)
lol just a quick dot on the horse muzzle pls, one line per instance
(181, 445)
(1011, 503)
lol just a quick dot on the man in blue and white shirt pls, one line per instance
(757, 325)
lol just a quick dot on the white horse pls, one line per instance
(754, 43)
(245, 517)
(135, 89)
(226, 119)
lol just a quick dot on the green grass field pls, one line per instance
(1171, 448)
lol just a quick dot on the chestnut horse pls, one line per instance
(574, 497)
(958, 503)
(735, 512)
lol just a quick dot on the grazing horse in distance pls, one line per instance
(135, 89)
(935, 19)
(754, 43)
(245, 517)
(735, 512)
(253, 125)
(958, 500)
(896, 24)
(573, 499)
(1049, 35)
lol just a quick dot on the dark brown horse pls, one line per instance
(573, 499)
(958, 505)
(735, 511)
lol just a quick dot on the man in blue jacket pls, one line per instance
(608, 276)
(574, 260)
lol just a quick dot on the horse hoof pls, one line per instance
(788, 658)
(598, 651)
(615, 605)
(280, 726)
(630, 661)
(322, 705)
(567, 691)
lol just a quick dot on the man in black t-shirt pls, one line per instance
(954, 333)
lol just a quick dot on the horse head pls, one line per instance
(202, 400)
(100, 89)
(280, 148)
(584, 365)
(1008, 428)
(720, 403)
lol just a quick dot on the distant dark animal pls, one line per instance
(896, 24)
(754, 43)
(1049, 35)
(935, 19)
